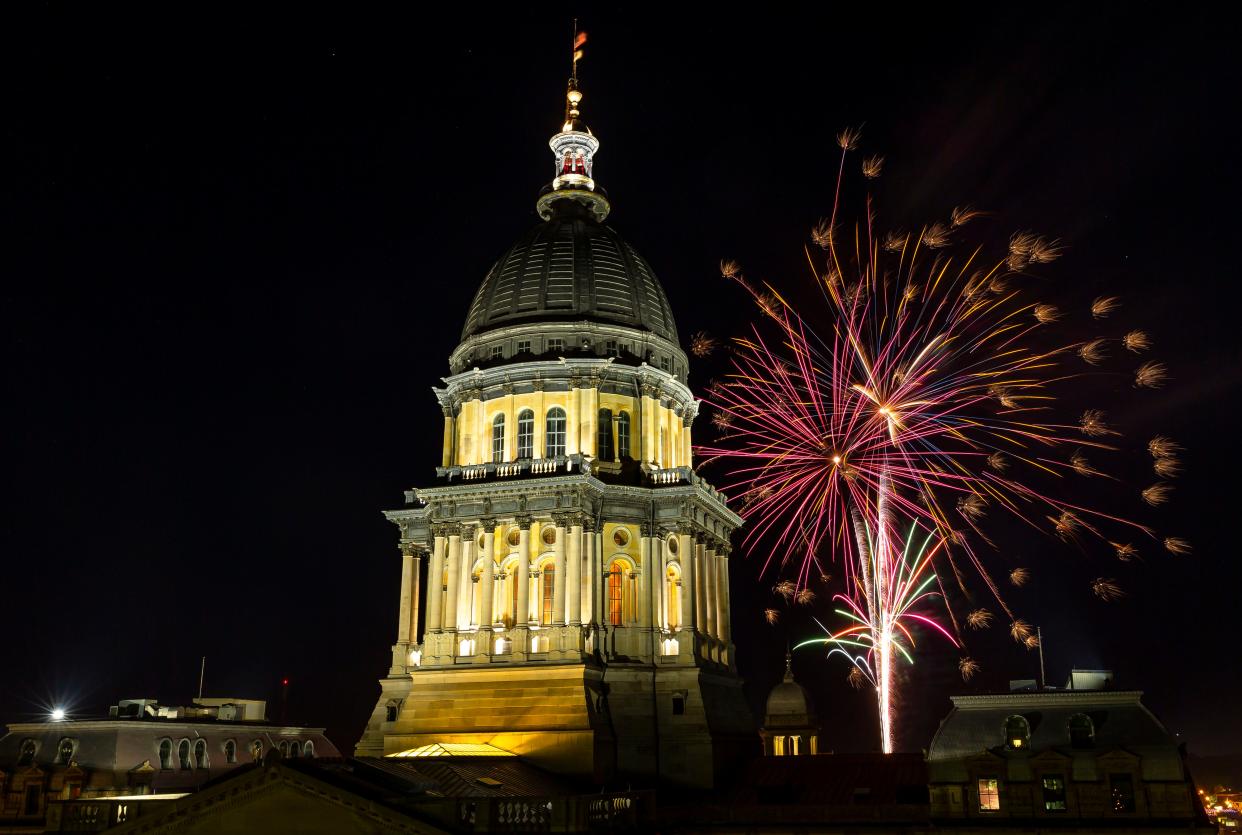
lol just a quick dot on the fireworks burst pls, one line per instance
(805, 597)
(929, 393)
(1158, 493)
(979, 619)
(1162, 447)
(1167, 467)
(771, 616)
(1106, 589)
(967, 667)
(962, 215)
(872, 166)
(1176, 545)
(1151, 375)
(702, 344)
(1124, 551)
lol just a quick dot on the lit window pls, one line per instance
(554, 438)
(674, 596)
(623, 435)
(166, 753)
(65, 751)
(514, 588)
(556, 345)
(549, 584)
(1054, 793)
(27, 755)
(498, 439)
(604, 444)
(526, 434)
(497, 352)
(616, 585)
(523, 346)
(1121, 791)
(230, 751)
(256, 750)
(1081, 731)
(1017, 733)
(989, 794)
(295, 750)
(309, 750)
(200, 754)
(621, 537)
(183, 754)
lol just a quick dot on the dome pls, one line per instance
(571, 267)
(789, 705)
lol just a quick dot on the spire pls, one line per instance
(788, 666)
(573, 150)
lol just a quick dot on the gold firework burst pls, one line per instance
(1092, 423)
(1151, 375)
(1066, 525)
(1136, 341)
(805, 596)
(1031, 641)
(848, 139)
(894, 242)
(1104, 305)
(1124, 550)
(998, 462)
(702, 344)
(1176, 545)
(823, 233)
(962, 215)
(1020, 630)
(722, 420)
(1167, 467)
(979, 619)
(855, 678)
(1158, 493)
(1019, 576)
(872, 166)
(1162, 447)
(1092, 352)
(1106, 588)
(967, 667)
(1079, 463)
(1046, 313)
(972, 507)
(730, 269)
(771, 615)
(786, 589)
(935, 236)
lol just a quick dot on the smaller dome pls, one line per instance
(789, 704)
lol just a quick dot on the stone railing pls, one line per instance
(508, 469)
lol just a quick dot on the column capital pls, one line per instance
(685, 528)
(523, 521)
(410, 549)
(440, 529)
(488, 523)
(452, 529)
(562, 520)
(649, 528)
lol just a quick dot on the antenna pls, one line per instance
(202, 674)
(1043, 682)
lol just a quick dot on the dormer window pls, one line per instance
(1017, 733)
(27, 755)
(1081, 731)
(65, 751)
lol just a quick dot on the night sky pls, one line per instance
(236, 262)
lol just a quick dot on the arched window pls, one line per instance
(1081, 731)
(256, 750)
(512, 580)
(27, 755)
(200, 753)
(284, 749)
(295, 750)
(183, 754)
(309, 750)
(526, 434)
(616, 593)
(166, 753)
(476, 597)
(1017, 733)
(604, 443)
(549, 584)
(498, 440)
(673, 595)
(623, 435)
(554, 439)
(65, 751)
(230, 751)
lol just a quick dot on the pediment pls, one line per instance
(144, 767)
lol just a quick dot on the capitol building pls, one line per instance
(565, 575)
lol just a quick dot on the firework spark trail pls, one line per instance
(934, 382)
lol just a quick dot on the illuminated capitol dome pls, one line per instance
(564, 587)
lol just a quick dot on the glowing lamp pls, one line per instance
(58, 714)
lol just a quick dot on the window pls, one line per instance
(610, 348)
(616, 578)
(664, 363)
(679, 705)
(27, 755)
(621, 537)
(989, 794)
(230, 751)
(623, 435)
(514, 588)
(390, 713)
(604, 445)
(65, 751)
(554, 440)
(200, 753)
(548, 535)
(284, 749)
(1081, 731)
(256, 750)
(309, 750)
(549, 584)
(497, 352)
(1054, 793)
(556, 345)
(166, 753)
(1017, 733)
(33, 794)
(526, 434)
(523, 346)
(498, 439)
(183, 753)
(674, 596)
(1121, 789)
(295, 750)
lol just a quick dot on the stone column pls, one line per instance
(590, 613)
(646, 586)
(454, 574)
(659, 565)
(573, 576)
(487, 584)
(558, 579)
(435, 582)
(691, 599)
(723, 611)
(465, 582)
(687, 447)
(522, 615)
(407, 587)
(415, 593)
(699, 600)
(601, 590)
(708, 586)
(450, 437)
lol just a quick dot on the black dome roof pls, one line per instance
(571, 267)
